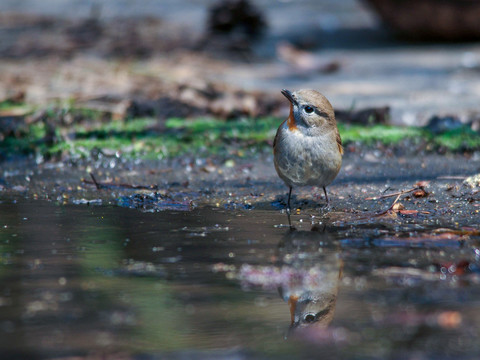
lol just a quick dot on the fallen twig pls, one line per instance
(95, 181)
(391, 206)
(117, 185)
(393, 194)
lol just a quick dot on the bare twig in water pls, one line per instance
(419, 191)
(381, 213)
(95, 181)
(391, 206)
(392, 194)
(118, 185)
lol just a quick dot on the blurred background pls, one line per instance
(405, 60)
(145, 260)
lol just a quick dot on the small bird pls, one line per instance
(307, 148)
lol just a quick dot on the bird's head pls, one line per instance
(311, 111)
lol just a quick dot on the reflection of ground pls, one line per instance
(352, 62)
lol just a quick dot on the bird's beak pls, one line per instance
(288, 94)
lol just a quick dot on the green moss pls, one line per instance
(7, 105)
(458, 139)
(13, 106)
(378, 133)
(245, 129)
(152, 139)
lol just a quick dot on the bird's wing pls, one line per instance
(277, 134)
(339, 142)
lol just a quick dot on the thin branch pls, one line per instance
(393, 194)
(390, 207)
(95, 181)
(100, 185)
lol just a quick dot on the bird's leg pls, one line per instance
(326, 196)
(288, 201)
(288, 206)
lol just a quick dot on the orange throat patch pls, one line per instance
(292, 126)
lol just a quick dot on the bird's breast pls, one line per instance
(306, 160)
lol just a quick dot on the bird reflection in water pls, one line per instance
(315, 269)
(306, 272)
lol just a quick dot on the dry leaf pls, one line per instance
(449, 319)
(389, 214)
(398, 206)
(420, 193)
(422, 184)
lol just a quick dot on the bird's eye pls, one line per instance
(309, 318)
(308, 109)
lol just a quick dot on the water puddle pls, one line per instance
(113, 282)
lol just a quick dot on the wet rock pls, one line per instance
(440, 124)
(472, 181)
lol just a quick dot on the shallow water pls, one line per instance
(111, 282)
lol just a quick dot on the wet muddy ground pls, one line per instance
(250, 182)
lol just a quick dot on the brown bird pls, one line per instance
(307, 147)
